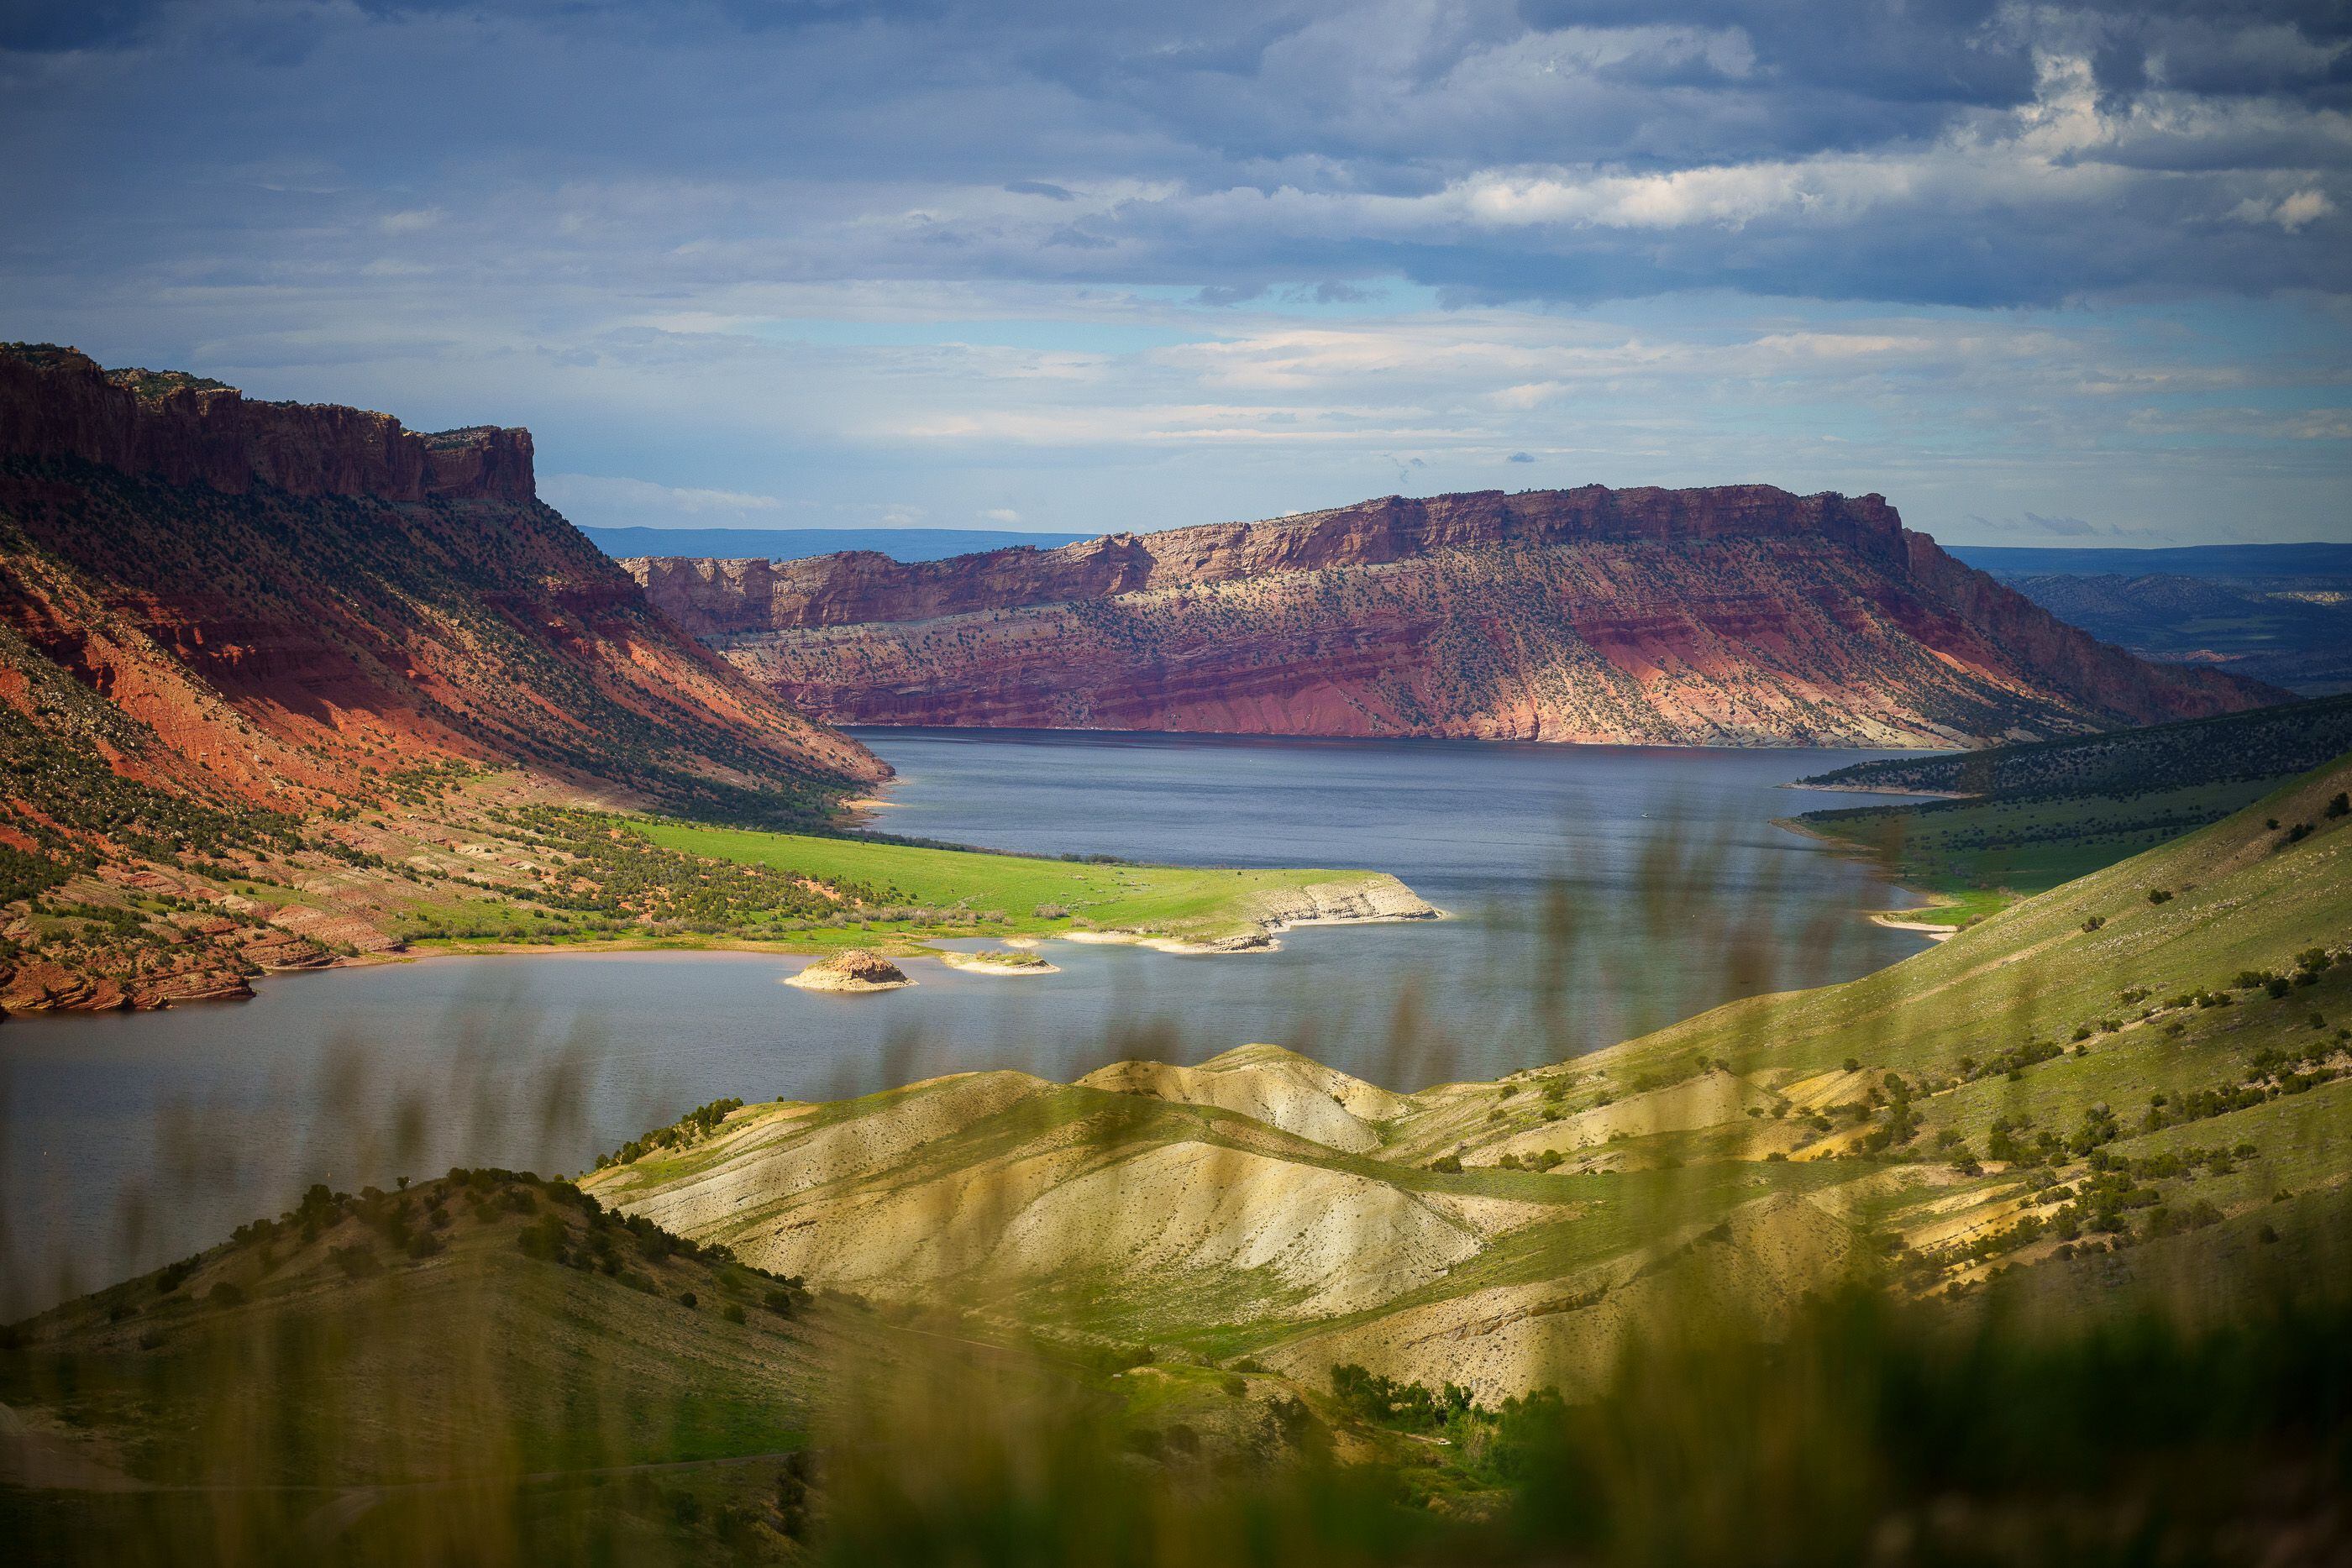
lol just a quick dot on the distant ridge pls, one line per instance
(2185, 560)
(2260, 745)
(798, 544)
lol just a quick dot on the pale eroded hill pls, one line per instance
(2094, 1080)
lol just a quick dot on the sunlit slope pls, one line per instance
(1026, 893)
(1933, 1123)
(1003, 1189)
(2097, 954)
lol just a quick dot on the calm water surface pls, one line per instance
(1596, 891)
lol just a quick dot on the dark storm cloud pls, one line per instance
(1941, 151)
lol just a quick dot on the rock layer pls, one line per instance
(184, 429)
(1744, 615)
(291, 601)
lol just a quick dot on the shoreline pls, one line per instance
(894, 944)
(1892, 919)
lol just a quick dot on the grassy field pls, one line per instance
(1014, 893)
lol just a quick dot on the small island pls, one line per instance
(856, 972)
(997, 961)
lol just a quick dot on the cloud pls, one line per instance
(620, 502)
(2065, 528)
(1002, 515)
(2290, 212)
(2082, 257)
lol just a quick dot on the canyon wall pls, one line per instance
(184, 429)
(1741, 615)
(286, 603)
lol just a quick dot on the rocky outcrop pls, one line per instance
(184, 429)
(852, 972)
(1742, 616)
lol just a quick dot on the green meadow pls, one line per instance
(1013, 893)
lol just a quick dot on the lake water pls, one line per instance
(1595, 892)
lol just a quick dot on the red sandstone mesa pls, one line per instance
(1743, 615)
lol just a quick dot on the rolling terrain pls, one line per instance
(2281, 613)
(1736, 616)
(2125, 1076)
(2072, 1183)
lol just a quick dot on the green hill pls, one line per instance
(2148, 1052)
(2039, 815)
(416, 1376)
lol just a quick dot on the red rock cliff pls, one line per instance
(289, 601)
(1742, 616)
(56, 402)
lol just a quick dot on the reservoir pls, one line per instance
(1593, 894)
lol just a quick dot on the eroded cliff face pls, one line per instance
(224, 622)
(1742, 616)
(184, 430)
(297, 598)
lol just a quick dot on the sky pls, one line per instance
(2067, 274)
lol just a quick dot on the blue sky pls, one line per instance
(2040, 274)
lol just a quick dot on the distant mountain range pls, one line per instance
(794, 544)
(2218, 561)
(2003, 561)
(2281, 613)
(1744, 615)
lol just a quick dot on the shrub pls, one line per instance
(2159, 895)
(1447, 1164)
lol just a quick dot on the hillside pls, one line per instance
(2030, 816)
(2128, 1077)
(481, 1364)
(2263, 744)
(268, 671)
(1736, 616)
(297, 601)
